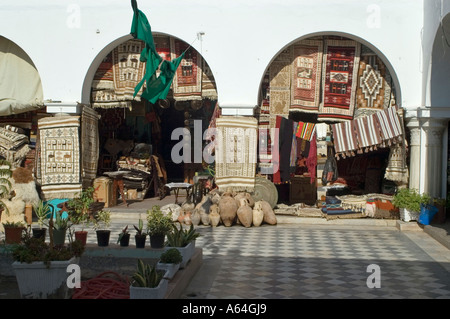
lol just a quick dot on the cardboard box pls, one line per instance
(103, 191)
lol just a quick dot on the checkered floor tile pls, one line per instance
(293, 261)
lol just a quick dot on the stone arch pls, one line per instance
(373, 48)
(86, 90)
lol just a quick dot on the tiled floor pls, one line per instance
(304, 261)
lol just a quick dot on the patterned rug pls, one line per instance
(117, 76)
(59, 156)
(306, 73)
(341, 59)
(187, 82)
(236, 153)
(374, 87)
(90, 146)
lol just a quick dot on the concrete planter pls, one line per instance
(158, 292)
(186, 252)
(171, 269)
(408, 215)
(37, 281)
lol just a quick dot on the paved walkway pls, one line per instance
(307, 258)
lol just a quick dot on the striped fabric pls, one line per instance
(305, 130)
(364, 134)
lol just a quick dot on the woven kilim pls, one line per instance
(90, 146)
(187, 82)
(59, 156)
(340, 66)
(306, 75)
(117, 76)
(236, 153)
(373, 85)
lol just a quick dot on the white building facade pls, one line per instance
(67, 40)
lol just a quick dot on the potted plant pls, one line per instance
(79, 212)
(158, 225)
(102, 221)
(148, 282)
(60, 227)
(41, 268)
(124, 237)
(13, 232)
(170, 261)
(42, 211)
(140, 236)
(409, 201)
(183, 240)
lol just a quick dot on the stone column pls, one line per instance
(413, 125)
(433, 129)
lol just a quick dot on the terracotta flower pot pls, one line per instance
(81, 235)
(13, 235)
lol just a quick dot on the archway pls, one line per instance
(313, 83)
(129, 121)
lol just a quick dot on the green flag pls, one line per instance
(157, 87)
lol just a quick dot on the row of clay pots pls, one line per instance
(227, 209)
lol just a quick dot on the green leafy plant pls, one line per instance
(79, 207)
(140, 227)
(123, 233)
(42, 210)
(146, 275)
(410, 199)
(157, 222)
(14, 224)
(180, 237)
(102, 220)
(171, 256)
(61, 223)
(35, 249)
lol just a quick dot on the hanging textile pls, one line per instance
(397, 168)
(286, 132)
(187, 82)
(115, 80)
(235, 156)
(14, 146)
(381, 129)
(60, 168)
(374, 85)
(305, 130)
(293, 157)
(276, 179)
(306, 71)
(340, 67)
(90, 146)
(311, 161)
(209, 90)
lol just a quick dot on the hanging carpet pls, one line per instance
(60, 169)
(381, 129)
(340, 67)
(117, 76)
(187, 81)
(306, 71)
(13, 145)
(374, 87)
(90, 146)
(236, 153)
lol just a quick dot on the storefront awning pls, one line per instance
(20, 83)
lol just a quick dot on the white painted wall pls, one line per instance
(63, 37)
